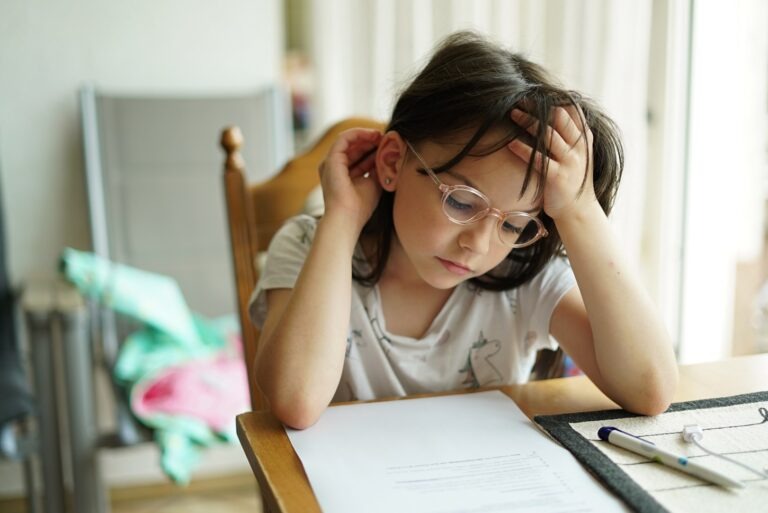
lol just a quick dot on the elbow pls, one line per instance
(295, 407)
(296, 414)
(656, 395)
(649, 407)
(295, 398)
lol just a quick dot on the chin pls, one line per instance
(442, 280)
(447, 284)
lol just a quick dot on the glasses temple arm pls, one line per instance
(429, 171)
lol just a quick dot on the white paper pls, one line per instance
(459, 453)
(738, 431)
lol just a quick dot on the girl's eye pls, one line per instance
(511, 228)
(454, 203)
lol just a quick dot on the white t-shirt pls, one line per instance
(479, 338)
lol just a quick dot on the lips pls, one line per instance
(454, 267)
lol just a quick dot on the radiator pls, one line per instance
(57, 322)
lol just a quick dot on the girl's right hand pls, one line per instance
(348, 176)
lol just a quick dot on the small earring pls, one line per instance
(387, 181)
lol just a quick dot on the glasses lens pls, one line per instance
(518, 230)
(462, 205)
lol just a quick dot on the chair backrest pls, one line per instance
(154, 203)
(257, 210)
(144, 153)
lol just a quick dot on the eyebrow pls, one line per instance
(460, 177)
(464, 179)
(470, 183)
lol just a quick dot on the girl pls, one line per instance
(438, 261)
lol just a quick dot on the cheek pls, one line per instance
(493, 258)
(418, 221)
(500, 254)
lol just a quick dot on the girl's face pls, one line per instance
(428, 246)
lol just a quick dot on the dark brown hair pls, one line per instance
(471, 83)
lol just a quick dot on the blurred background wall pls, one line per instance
(48, 50)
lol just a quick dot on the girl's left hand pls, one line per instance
(570, 159)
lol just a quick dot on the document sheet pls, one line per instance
(459, 453)
(739, 431)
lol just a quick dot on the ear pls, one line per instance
(390, 158)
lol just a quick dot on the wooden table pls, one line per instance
(284, 486)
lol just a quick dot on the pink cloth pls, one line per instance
(214, 391)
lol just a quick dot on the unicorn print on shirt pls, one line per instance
(479, 368)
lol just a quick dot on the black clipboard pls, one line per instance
(615, 479)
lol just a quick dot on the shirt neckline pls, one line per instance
(431, 336)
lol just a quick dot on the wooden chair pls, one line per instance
(256, 212)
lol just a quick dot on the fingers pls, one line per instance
(576, 125)
(557, 144)
(361, 143)
(364, 165)
(361, 151)
(567, 128)
(525, 153)
(354, 149)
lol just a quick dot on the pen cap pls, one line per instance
(604, 431)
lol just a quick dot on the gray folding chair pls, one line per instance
(156, 201)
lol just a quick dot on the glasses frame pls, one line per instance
(500, 215)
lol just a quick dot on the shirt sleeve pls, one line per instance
(285, 257)
(540, 296)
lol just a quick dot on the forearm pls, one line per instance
(300, 359)
(632, 349)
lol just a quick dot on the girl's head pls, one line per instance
(455, 116)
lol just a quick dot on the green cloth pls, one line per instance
(171, 335)
(146, 352)
(153, 299)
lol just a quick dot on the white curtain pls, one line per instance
(364, 52)
(726, 180)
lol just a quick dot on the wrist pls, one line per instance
(588, 215)
(342, 227)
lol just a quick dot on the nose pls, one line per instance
(478, 236)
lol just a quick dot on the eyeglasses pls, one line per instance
(465, 205)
